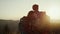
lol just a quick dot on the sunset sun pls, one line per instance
(53, 12)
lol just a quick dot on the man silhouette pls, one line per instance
(33, 15)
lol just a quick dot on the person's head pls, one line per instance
(35, 7)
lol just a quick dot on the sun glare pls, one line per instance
(53, 12)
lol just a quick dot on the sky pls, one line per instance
(16, 9)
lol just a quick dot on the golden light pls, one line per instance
(53, 12)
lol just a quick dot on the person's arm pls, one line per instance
(20, 24)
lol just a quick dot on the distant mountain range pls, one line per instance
(12, 24)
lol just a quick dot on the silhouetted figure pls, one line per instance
(35, 22)
(22, 25)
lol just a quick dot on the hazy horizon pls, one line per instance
(15, 9)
